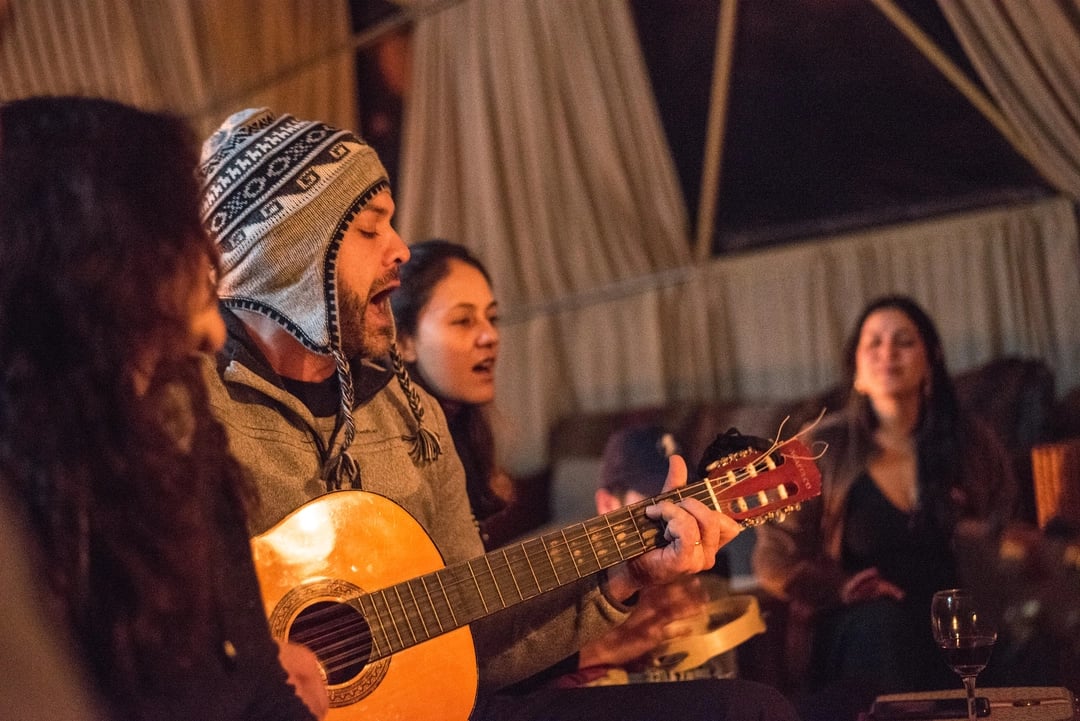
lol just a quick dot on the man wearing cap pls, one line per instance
(633, 467)
(315, 398)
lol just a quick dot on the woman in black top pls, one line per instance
(906, 470)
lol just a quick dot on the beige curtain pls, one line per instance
(770, 324)
(199, 58)
(532, 135)
(1028, 56)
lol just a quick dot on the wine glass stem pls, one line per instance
(969, 686)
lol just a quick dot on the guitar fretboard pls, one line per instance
(421, 608)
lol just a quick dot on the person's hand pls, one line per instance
(868, 585)
(685, 598)
(648, 624)
(694, 535)
(306, 677)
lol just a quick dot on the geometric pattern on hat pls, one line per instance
(278, 194)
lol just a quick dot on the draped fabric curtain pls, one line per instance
(1028, 56)
(771, 324)
(204, 60)
(532, 135)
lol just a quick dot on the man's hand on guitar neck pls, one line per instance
(694, 534)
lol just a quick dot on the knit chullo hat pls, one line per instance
(279, 194)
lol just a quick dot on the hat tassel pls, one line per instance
(426, 446)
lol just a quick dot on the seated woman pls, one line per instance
(109, 454)
(905, 471)
(447, 320)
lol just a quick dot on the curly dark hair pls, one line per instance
(100, 249)
(429, 263)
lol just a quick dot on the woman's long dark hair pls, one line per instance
(100, 249)
(469, 425)
(942, 429)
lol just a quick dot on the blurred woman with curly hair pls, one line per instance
(107, 448)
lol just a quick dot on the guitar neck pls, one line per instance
(411, 612)
(421, 608)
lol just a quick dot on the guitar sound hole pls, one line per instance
(338, 634)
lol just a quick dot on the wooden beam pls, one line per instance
(714, 135)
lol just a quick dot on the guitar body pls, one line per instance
(318, 559)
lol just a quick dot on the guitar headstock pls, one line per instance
(752, 486)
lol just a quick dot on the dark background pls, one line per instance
(835, 121)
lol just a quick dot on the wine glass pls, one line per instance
(965, 634)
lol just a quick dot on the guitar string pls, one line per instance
(351, 635)
(352, 651)
(567, 563)
(333, 622)
(348, 656)
(330, 622)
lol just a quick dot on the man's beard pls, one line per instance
(357, 340)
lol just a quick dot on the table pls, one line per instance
(1010, 703)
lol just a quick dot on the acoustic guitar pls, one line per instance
(354, 577)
